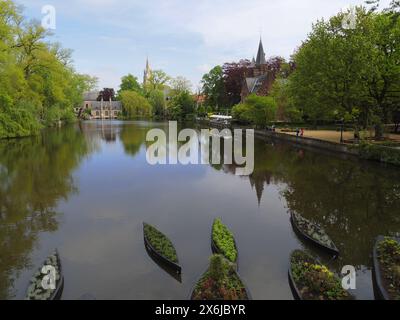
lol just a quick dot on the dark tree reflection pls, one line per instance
(35, 174)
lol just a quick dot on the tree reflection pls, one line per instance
(35, 174)
(354, 201)
(132, 138)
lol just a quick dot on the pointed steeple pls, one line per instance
(147, 72)
(261, 54)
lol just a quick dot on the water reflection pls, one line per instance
(106, 198)
(35, 174)
(354, 201)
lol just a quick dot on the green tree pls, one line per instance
(158, 80)
(286, 110)
(341, 72)
(129, 83)
(157, 101)
(38, 85)
(256, 110)
(180, 84)
(181, 106)
(135, 105)
(214, 88)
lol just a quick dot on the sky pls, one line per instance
(111, 38)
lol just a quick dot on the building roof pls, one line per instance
(97, 105)
(91, 96)
(254, 84)
(250, 83)
(261, 54)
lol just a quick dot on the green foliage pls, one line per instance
(224, 240)
(181, 106)
(180, 84)
(256, 110)
(389, 258)
(379, 153)
(160, 243)
(18, 121)
(339, 70)
(158, 80)
(130, 82)
(315, 281)
(287, 110)
(220, 282)
(34, 70)
(214, 88)
(134, 105)
(157, 101)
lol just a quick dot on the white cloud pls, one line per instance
(184, 37)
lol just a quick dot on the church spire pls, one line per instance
(261, 54)
(147, 72)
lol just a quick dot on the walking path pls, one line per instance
(334, 136)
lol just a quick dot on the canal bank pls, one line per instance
(364, 150)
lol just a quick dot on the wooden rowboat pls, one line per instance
(380, 288)
(313, 233)
(36, 290)
(298, 294)
(159, 255)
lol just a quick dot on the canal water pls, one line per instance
(87, 189)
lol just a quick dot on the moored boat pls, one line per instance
(386, 268)
(161, 247)
(51, 287)
(304, 270)
(313, 233)
(220, 281)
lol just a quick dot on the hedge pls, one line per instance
(380, 153)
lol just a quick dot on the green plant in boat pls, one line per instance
(313, 231)
(224, 240)
(315, 281)
(160, 243)
(220, 282)
(388, 252)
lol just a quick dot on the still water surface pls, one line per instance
(87, 189)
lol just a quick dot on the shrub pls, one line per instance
(389, 258)
(160, 243)
(256, 110)
(379, 153)
(19, 120)
(220, 282)
(315, 281)
(134, 105)
(224, 240)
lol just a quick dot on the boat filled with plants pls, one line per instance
(159, 245)
(223, 241)
(220, 282)
(386, 271)
(313, 233)
(44, 289)
(309, 280)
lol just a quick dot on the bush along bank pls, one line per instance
(383, 154)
